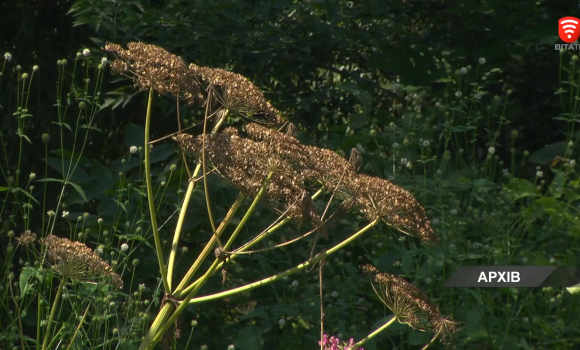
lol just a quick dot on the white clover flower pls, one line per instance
(100, 249)
(281, 322)
(86, 52)
(463, 70)
(491, 150)
(552, 261)
(539, 173)
(458, 94)
(453, 211)
(506, 172)
(104, 61)
(426, 143)
(231, 347)
(437, 104)
(428, 280)
(124, 247)
(334, 294)
(526, 320)
(477, 96)
(439, 172)
(294, 284)
(32, 176)
(525, 260)
(572, 163)
(50, 213)
(396, 145)
(8, 56)
(133, 149)
(65, 214)
(482, 60)
(435, 221)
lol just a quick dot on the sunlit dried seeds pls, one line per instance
(410, 305)
(27, 238)
(74, 260)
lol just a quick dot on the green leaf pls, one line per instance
(25, 276)
(2, 189)
(249, 338)
(547, 154)
(79, 175)
(27, 194)
(557, 185)
(75, 186)
(522, 188)
(161, 153)
(134, 135)
(79, 190)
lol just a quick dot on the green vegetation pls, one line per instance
(151, 200)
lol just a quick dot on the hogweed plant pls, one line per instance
(264, 164)
(98, 216)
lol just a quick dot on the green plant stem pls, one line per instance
(373, 334)
(158, 247)
(52, 312)
(217, 264)
(203, 255)
(79, 327)
(178, 230)
(183, 210)
(285, 273)
(179, 292)
(148, 343)
(166, 309)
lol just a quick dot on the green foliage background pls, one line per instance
(381, 76)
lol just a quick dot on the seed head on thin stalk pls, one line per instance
(316, 164)
(76, 261)
(410, 305)
(236, 93)
(246, 164)
(152, 66)
(27, 238)
(379, 198)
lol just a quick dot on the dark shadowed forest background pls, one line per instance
(466, 104)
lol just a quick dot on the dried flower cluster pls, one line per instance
(152, 66)
(235, 92)
(27, 238)
(410, 305)
(76, 261)
(246, 164)
(375, 197)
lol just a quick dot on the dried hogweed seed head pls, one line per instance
(410, 305)
(379, 198)
(152, 66)
(26, 238)
(283, 145)
(245, 164)
(235, 92)
(76, 261)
